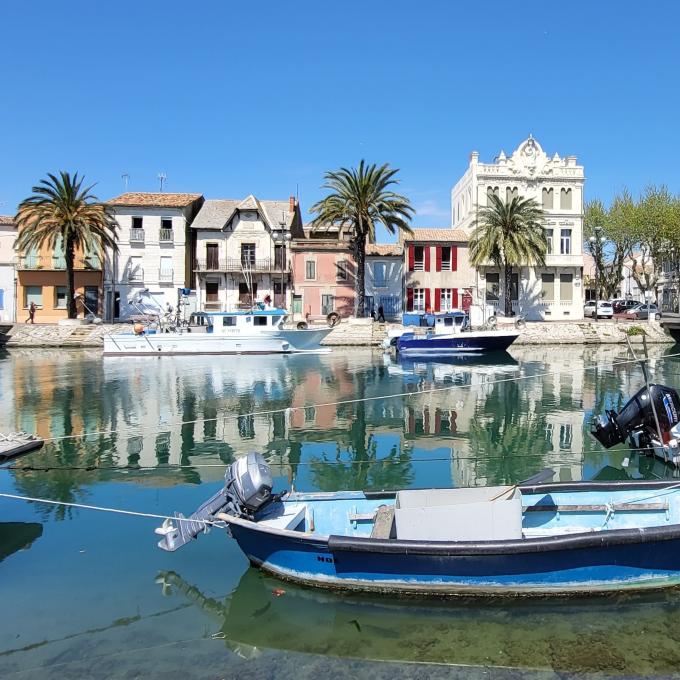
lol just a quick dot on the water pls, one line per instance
(93, 597)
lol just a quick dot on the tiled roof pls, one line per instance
(430, 235)
(384, 249)
(159, 200)
(216, 213)
(7, 221)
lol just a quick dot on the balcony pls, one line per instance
(235, 264)
(166, 236)
(136, 235)
(58, 263)
(136, 275)
(166, 276)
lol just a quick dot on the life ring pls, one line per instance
(333, 319)
(302, 325)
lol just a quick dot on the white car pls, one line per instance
(604, 309)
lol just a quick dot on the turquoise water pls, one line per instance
(88, 594)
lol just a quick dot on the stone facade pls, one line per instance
(553, 292)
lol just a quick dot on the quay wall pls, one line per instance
(352, 332)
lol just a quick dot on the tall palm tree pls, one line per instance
(62, 208)
(360, 199)
(509, 235)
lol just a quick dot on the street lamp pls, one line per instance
(596, 248)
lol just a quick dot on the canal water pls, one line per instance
(88, 594)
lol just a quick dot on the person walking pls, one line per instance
(381, 314)
(31, 313)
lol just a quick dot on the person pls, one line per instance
(381, 314)
(31, 313)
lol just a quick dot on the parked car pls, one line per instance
(604, 309)
(621, 306)
(642, 311)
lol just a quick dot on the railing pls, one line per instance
(235, 264)
(136, 235)
(51, 262)
(165, 276)
(136, 274)
(165, 236)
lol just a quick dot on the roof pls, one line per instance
(217, 213)
(429, 235)
(384, 249)
(7, 221)
(158, 200)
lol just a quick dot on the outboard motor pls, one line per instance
(247, 489)
(636, 420)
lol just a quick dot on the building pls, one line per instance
(154, 252)
(41, 278)
(8, 235)
(242, 252)
(437, 271)
(384, 278)
(324, 274)
(551, 292)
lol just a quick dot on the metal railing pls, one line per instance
(136, 235)
(166, 276)
(58, 262)
(235, 264)
(136, 274)
(165, 236)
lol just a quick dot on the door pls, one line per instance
(244, 297)
(279, 294)
(212, 256)
(391, 305)
(212, 300)
(92, 300)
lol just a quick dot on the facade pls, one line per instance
(384, 279)
(324, 275)
(553, 292)
(243, 252)
(437, 271)
(154, 252)
(8, 235)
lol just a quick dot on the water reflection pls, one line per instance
(15, 536)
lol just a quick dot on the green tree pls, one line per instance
(509, 235)
(360, 199)
(61, 208)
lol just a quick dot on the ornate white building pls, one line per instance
(553, 292)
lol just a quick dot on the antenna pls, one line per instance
(161, 178)
(126, 178)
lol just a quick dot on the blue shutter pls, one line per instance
(2, 298)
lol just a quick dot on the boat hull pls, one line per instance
(583, 563)
(413, 345)
(281, 342)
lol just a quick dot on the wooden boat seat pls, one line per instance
(383, 524)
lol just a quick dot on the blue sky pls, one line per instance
(257, 97)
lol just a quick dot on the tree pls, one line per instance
(61, 208)
(360, 199)
(509, 235)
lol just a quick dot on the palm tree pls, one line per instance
(62, 209)
(360, 199)
(509, 235)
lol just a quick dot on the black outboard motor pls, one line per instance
(247, 489)
(636, 419)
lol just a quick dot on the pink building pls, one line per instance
(324, 276)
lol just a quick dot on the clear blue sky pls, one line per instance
(232, 98)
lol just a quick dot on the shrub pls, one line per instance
(635, 330)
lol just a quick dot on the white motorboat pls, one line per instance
(256, 331)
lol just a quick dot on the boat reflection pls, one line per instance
(569, 635)
(15, 536)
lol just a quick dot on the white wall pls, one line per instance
(7, 272)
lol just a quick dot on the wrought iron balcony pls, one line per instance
(57, 262)
(136, 235)
(136, 275)
(235, 264)
(166, 275)
(166, 236)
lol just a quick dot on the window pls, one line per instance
(228, 320)
(514, 287)
(2, 299)
(418, 299)
(446, 258)
(566, 436)
(566, 287)
(166, 223)
(565, 242)
(248, 254)
(491, 191)
(166, 272)
(297, 304)
(341, 270)
(327, 304)
(510, 193)
(137, 223)
(58, 259)
(136, 271)
(33, 294)
(379, 274)
(493, 287)
(166, 229)
(212, 255)
(260, 321)
(549, 239)
(418, 258)
(548, 287)
(280, 257)
(310, 270)
(446, 299)
(60, 297)
(246, 426)
(92, 300)
(565, 199)
(548, 199)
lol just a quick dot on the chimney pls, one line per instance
(291, 204)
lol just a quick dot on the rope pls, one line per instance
(291, 409)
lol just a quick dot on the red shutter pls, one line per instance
(409, 299)
(437, 299)
(427, 258)
(427, 300)
(454, 298)
(454, 258)
(411, 260)
(439, 258)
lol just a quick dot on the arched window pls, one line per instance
(548, 199)
(510, 193)
(565, 199)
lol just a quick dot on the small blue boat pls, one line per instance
(528, 539)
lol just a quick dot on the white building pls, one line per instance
(8, 235)
(243, 252)
(155, 252)
(384, 278)
(553, 292)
